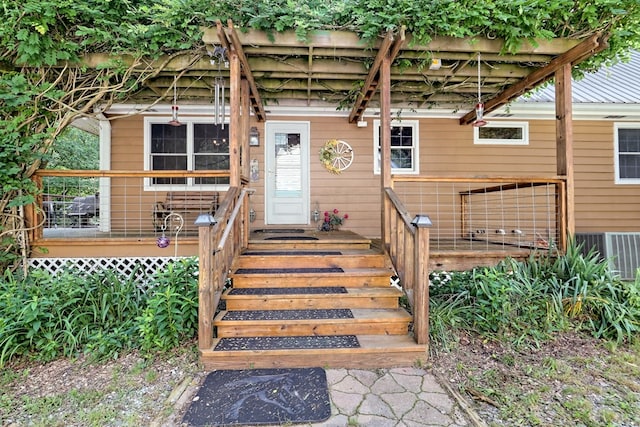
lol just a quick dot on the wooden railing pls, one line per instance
(221, 240)
(124, 202)
(504, 211)
(409, 252)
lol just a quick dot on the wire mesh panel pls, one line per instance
(112, 204)
(482, 214)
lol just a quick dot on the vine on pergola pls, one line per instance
(45, 84)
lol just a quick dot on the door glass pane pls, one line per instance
(288, 170)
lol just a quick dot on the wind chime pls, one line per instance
(479, 106)
(218, 56)
(174, 107)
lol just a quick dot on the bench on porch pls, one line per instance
(184, 203)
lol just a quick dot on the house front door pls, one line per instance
(287, 167)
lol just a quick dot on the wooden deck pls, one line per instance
(450, 255)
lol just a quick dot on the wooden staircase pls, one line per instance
(325, 302)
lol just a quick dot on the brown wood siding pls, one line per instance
(601, 205)
(446, 149)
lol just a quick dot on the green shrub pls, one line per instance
(171, 312)
(102, 314)
(526, 302)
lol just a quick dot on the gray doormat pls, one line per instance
(279, 230)
(312, 314)
(261, 397)
(292, 238)
(289, 343)
(288, 291)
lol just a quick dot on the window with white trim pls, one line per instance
(197, 144)
(404, 147)
(502, 133)
(627, 153)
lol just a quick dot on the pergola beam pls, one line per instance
(387, 51)
(575, 55)
(229, 39)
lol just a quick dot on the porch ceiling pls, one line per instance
(337, 69)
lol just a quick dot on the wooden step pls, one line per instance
(306, 245)
(347, 259)
(360, 277)
(369, 297)
(375, 351)
(334, 240)
(364, 321)
(305, 303)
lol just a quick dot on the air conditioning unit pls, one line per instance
(621, 249)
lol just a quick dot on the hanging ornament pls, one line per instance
(219, 107)
(479, 106)
(218, 56)
(174, 108)
(163, 241)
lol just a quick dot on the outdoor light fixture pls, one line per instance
(205, 220)
(254, 137)
(479, 106)
(174, 108)
(421, 221)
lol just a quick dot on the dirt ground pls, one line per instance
(574, 380)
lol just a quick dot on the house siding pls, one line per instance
(446, 149)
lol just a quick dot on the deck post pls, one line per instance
(205, 223)
(385, 149)
(421, 282)
(564, 148)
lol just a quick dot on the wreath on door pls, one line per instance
(336, 155)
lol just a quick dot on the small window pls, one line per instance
(627, 153)
(404, 147)
(197, 144)
(504, 133)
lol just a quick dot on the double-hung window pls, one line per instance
(195, 145)
(404, 147)
(627, 153)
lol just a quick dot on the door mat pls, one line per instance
(261, 397)
(287, 343)
(288, 270)
(292, 238)
(279, 230)
(288, 291)
(312, 314)
(297, 253)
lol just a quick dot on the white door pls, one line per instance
(287, 167)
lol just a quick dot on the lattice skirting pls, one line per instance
(140, 267)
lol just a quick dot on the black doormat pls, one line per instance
(300, 253)
(288, 291)
(288, 270)
(287, 343)
(312, 314)
(279, 230)
(261, 397)
(292, 238)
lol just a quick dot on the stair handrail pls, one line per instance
(232, 218)
(408, 249)
(219, 244)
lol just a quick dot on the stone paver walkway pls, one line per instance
(390, 397)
